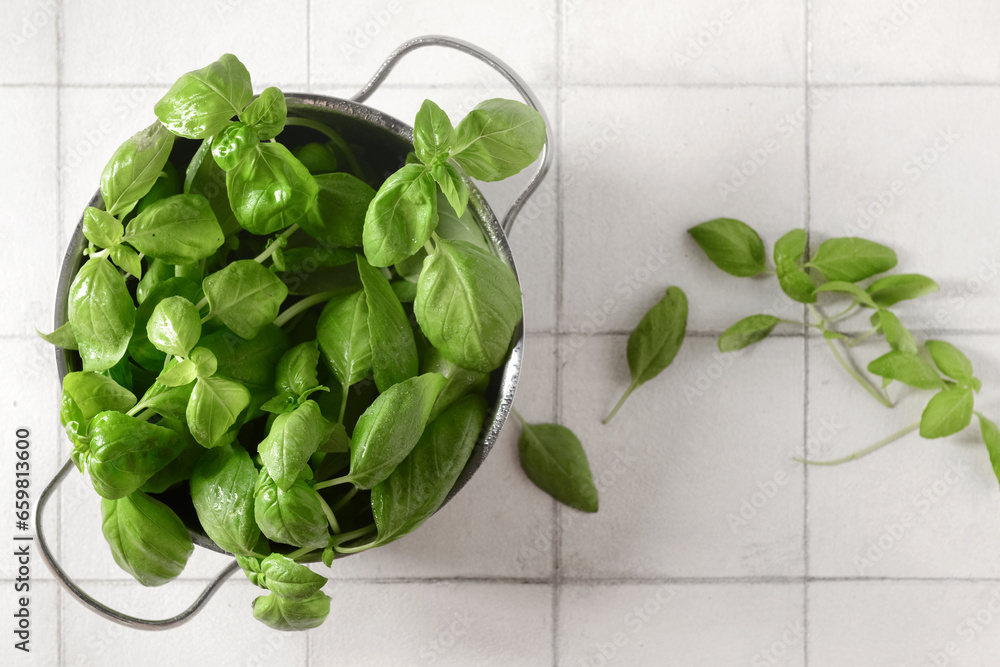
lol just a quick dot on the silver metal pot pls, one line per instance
(365, 126)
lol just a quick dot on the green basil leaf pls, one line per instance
(175, 326)
(157, 272)
(658, 337)
(454, 227)
(890, 290)
(991, 436)
(214, 407)
(125, 452)
(205, 361)
(850, 289)
(127, 260)
(147, 539)
(338, 442)
(394, 352)
(206, 178)
(852, 259)
(343, 337)
(948, 412)
(788, 252)
(731, 245)
(201, 102)
(222, 490)
(293, 438)
(134, 168)
(181, 468)
(898, 336)
(167, 185)
(290, 580)
(168, 401)
(141, 349)
(950, 360)
(790, 247)
(93, 393)
(287, 615)
(249, 362)
(179, 230)
(421, 482)
(452, 186)
(460, 381)
(908, 368)
(101, 228)
(296, 372)
(433, 134)
(405, 291)
(293, 516)
(245, 296)
(282, 403)
(101, 313)
(339, 215)
(498, 139)
(468, 304)
(233, 144)
(746, 332)
(179, 374)
(553, 458)
(62, 337)
(390, 427)
(270, 189)
(267, 113)
(251, 567)
(401, 217)
(317, 158)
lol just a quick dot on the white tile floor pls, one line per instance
(654, 107)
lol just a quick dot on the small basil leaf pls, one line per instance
(290, 580)
(134, 168)
(405, 291)
(101, 228)
(249, 362)
(468, 304)
(147, 539)
(731, 245)
(401, 217)
(746, 332)
(127, 260)
(339, 215)
(125, 452)
(296, 371)
(293, 438)
(222, 490)
(267, 113)
(554, 459)
(790, 247)
(175, 326)
(201, 102)
(143, 351)
(796, 283)
(251, 567)
(950, 360)
(233, 144)
(452, 186)
(101, 313)
(390, 427)
(948, 412)
(245, 296)
(898, 336)
(394, 352)
(214, 407)
(205, 361)
(850, 289)
(498, 139)
(890, 290)
(343, 337)
(908, 368)
(280, 404)
(293, 516)
(852, 259)
(179, 230)
(270, 189)
(168, 401)
(991, 436)
(454, 227)
(284, 614)
(179, 374)
(62, 337)
(433, 134)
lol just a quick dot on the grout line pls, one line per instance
(807, 130)
(560, 249)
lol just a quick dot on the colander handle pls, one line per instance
(99, 608)
(506, 72)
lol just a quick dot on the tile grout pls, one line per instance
(560, 247)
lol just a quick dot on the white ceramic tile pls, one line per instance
(927, 187)
(131, 43)
(42, 618)
(630, 624)
(350, 41)
(694, 473)
(28, 222)
(887, 40)
(499, 525)
(28, 34)
(918, 508)
(223, 633)
(904, 623)
(636, 176)
(436, 623)
(719, 41)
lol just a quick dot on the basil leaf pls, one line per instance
(390, 427)
(890, 290)
(317, 158)
(421, 482)
(433, 134)
(251, 568)
(168, 401)
(214, 406)
(175, 326)
(553, 458)
(62, 337)
(125, 452)
(394, 352)
(343, 337)
(267, 113)
(296, 371)
(101, 313)
(498, 139)
(270, 189)
(468, 304)
(285, 614)
(222, 488)
(206, 178)
(405, 291)
(851, 289)
(898, 336)
(790, 247)
(249, 362)
(293, 516)
(290, 580)
(948, 412)
(338, 442)
(293, 438)
(179, 374)
(181, 468)
(92, 393)
(141, 349)
(166, 185)
(794, 282)
(134, 168)
(157, 272)
(179, 230)
(126, 259)
(245, 296)
(341, 206)
(282, 403)
(201, 102)
(147, 539)
(401, 217)
(991, 436)
(455, 227)
(452, 186)
(908, 368)
(746, 332)
(460, 381)
(233, 144)
(852, 259)
(101, 228)
(731, 245)
(950, 360)
(205, 361)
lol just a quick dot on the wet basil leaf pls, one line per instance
(452, 186)
(267, 113)
(206, 178)
(401, 217)
(125, 452)
(245, 296)
(175, 326)
(201, 102)
(460, 381)
(498, 139)
(222, 489)
(852, 259)
(233, 144)
(134, 168)
(288, 615)
(62, 337)
(394, 352)
(213, 408)
(293, 438)
(270, 189)
(296, 371)
(92, 393)
(147, 539)
(293, 516)
(288, 579)
(101, 313)
(343, 337)
(141, 349)
(101, 228)
(433, 134)
(317, 158)
(341, 206)
(179, 230)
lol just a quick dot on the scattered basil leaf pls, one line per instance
(852, 259)
(948, 412)
(850, 289)
(898, 336)
(991, 436)
(890, 290)
(731, 245)
(746, 332)
(908, 368)
(950, 360)
(553, 458)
